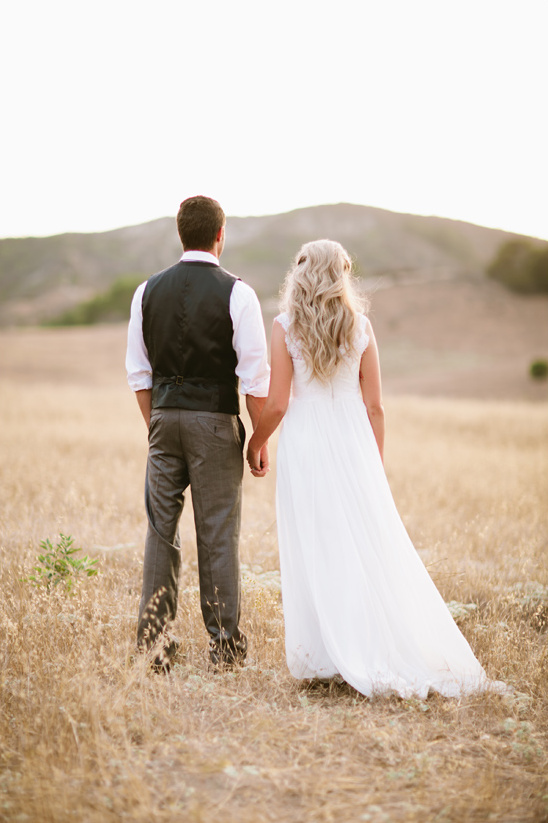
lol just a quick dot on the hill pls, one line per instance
(42, 277)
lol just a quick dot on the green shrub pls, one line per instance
(57, 564)
(539, 269)
(539, 369)
(522, 266)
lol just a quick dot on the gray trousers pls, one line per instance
(203, 450)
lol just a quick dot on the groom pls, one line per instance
(196, 337)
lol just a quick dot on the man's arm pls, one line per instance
(144, 399)
(138, 367)
(254, 408)
(249, 343)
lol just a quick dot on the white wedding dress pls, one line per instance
(357, 598)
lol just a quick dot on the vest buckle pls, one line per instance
(179, 380)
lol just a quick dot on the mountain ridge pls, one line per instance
(43, 276)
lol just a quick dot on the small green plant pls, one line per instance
(57, 564)
(539, 369)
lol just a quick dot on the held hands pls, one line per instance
(258, 459)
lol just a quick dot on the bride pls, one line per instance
(357, 598)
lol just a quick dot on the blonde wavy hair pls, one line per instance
(323, 305)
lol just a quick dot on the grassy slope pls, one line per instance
(87, 735)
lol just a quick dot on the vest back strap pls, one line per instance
(195, 394)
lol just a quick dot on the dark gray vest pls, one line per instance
(188, 332)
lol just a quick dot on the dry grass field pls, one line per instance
(87, 734)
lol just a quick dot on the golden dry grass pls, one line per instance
(86, 734)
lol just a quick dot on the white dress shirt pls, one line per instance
(249, 340)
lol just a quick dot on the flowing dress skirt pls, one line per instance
(357, 598)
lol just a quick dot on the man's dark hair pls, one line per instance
(198, 222)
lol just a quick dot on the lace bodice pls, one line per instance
(344, 384)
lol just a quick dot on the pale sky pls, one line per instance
(115, 111)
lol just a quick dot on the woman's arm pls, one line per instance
(370, 384)
(277, 400)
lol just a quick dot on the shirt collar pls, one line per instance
(200, 256)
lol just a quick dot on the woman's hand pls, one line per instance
(257, 459)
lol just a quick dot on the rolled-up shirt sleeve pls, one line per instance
(249, 340)
(139, 370)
